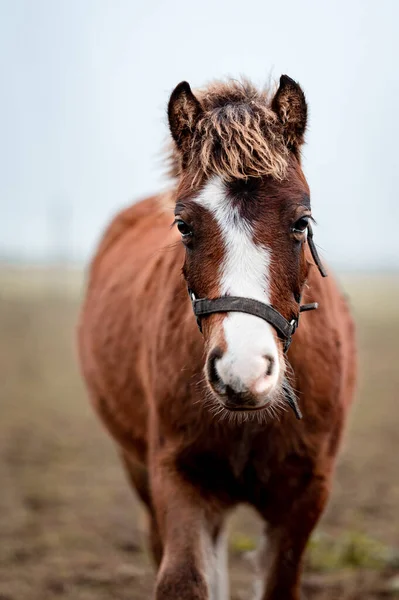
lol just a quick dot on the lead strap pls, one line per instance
(291, 398)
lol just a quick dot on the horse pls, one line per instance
(193, 299)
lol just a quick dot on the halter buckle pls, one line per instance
(193, 299)
(293, 325)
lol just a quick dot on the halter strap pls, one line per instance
(314, 252)
(206, 306)
(285, 329)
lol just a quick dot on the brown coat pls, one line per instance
(143, 357)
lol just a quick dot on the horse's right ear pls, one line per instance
(183, 112)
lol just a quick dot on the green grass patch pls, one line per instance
(349, 550)
(241, 543)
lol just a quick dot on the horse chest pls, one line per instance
(234, 469)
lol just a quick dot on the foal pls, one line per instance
(202, 419)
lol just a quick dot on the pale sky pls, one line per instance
(84, 88)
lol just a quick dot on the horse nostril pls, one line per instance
(214, 355)
(269, 365)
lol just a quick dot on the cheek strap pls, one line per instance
(314, 252)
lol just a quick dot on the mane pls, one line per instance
(237, 136)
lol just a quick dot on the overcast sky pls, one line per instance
(84, 86)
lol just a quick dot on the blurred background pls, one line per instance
(85, 85)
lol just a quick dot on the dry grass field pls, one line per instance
(70, 527)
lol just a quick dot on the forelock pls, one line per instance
(237, 136)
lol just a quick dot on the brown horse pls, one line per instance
(202, 419)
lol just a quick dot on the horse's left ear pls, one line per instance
(183, 112)
(289, 104)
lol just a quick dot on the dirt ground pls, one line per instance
(70, 527)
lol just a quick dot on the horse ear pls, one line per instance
(289, 104)
(183, 112)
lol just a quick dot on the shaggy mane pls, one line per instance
(237, 136)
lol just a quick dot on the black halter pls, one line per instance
(284, 328)
(203, 307)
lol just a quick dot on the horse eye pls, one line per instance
(300, 225)
(184, 229)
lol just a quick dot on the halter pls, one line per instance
(203, 307)
(284, 328)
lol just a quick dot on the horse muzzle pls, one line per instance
(244, 384)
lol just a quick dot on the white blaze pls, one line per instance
(245, 273)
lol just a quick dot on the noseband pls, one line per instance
(284, 328)
(203, 307)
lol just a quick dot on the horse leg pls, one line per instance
(287, 533)
(191, 531)
(138, 476)
(221, 574)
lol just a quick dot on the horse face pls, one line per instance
(244, 236)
